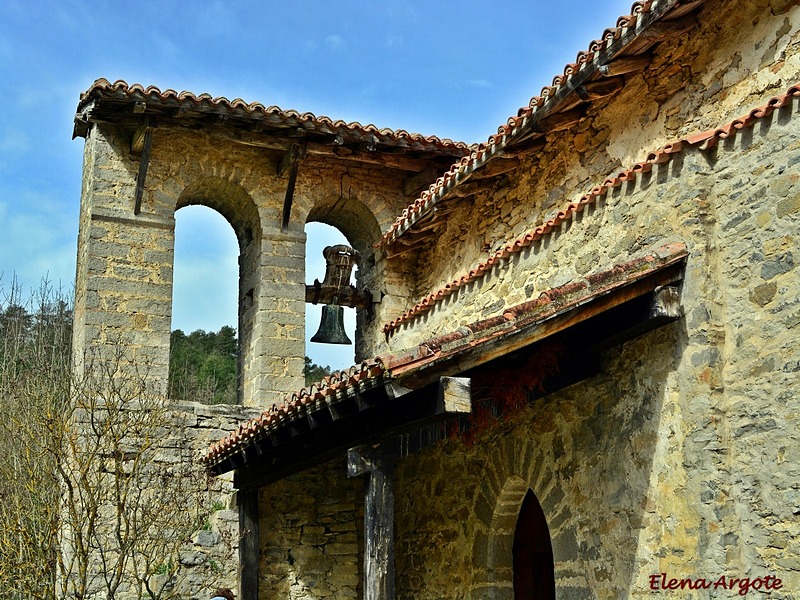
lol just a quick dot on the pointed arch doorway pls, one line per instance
(533, 553)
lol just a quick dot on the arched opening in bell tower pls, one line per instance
(336, 356)
(204, 353)
(340, 222)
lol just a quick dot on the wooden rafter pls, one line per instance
(290, 162)
(625, 65)
(146, 141)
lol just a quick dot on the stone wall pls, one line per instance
(681, 456)
(703, 80)
(311, 530)
(588, 453)
(142, 510)
(123, 287)
(211, 560)
(653, 466)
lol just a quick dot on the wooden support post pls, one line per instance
(378, 462)
(144, 163)
(248, 544)
(290, 163)
(379, 533)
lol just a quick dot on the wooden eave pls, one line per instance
(487, 346)
(131, 110)
(404, 398)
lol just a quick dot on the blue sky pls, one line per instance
(454, 69)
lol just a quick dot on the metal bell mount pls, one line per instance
(339, 261)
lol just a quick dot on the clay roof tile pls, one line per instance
(702, 140)
(307, 119)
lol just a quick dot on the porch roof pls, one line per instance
(390, 390)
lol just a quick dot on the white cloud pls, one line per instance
(334, 41)
(394, 41)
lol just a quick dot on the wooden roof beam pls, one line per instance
(495, 168)
(146, 142)
(621, 66)
(290, 162)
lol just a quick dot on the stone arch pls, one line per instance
(230, 200)
(358, 224)
(236, 205)
(519, 465)
(497, 546)
(350, 216)
(500, 539)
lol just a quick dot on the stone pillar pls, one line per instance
(123, 288)
(273, 319)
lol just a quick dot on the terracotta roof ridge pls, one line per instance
(359, 375)
(538, 104)
(122, 87)
(704, 140)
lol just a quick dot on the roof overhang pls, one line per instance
(401, 392)
(254, 124)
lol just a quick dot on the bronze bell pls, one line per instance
(339, 262)
(331, 326)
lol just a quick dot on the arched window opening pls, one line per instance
(534, 577)
(335, 356)
(204, 353)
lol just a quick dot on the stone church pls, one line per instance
(578, 345)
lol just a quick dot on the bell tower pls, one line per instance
(268, 172)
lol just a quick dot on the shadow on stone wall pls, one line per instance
(587, 452)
